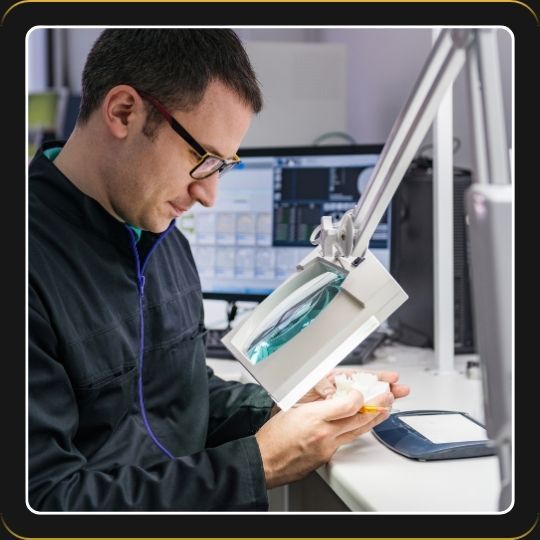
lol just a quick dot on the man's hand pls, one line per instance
(296, 442)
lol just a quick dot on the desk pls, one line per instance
(369, 477)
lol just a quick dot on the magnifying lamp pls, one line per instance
(340, 292)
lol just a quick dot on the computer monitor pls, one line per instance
(267, 207)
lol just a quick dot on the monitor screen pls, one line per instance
(267, 207)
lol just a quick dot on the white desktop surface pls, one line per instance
(368, 477)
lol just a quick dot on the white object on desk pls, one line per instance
(446, 428)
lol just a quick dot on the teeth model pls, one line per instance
(366, 383)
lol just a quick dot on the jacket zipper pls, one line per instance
(141, 280)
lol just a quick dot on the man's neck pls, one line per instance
(79, 162)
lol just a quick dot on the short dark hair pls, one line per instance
(173, 65)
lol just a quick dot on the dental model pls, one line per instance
(366, 383)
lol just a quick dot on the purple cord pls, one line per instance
(140, 283)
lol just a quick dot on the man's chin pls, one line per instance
(157, 226)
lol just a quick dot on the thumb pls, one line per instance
(338, 407)
(324, 388)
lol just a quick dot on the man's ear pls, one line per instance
(122, 111)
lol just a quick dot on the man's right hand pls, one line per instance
(296, 442)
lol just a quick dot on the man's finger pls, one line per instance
(387, 376)
(399, 390)
(340, 407)
(324, 388)
(383, 400)
(362, 421)
(351, 423)
(365, 428)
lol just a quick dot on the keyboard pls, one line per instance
(362, 354)
(214, 347)
(366, 350)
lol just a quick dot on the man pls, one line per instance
(123, 412)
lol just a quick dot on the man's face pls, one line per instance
(154, 185)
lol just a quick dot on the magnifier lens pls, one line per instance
(294, 320)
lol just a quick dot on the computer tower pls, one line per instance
(412, 258)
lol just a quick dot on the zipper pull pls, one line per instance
(141, 284)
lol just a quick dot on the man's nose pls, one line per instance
(206, 190)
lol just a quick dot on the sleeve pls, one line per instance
(236, 409)
(227, 477)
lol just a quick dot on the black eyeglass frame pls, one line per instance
(223, 165)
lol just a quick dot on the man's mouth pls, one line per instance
(177, 210)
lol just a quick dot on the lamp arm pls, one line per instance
(444, 63)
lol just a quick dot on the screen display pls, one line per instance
(267, 207)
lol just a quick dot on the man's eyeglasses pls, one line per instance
(208, 163)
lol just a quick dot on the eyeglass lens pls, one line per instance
(210, 165)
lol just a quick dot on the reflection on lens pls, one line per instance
(210, 165)
(294, 320)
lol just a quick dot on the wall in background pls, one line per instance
(382, 67)
(305, 92)
(37, 60)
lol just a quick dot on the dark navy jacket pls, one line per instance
(89, 448)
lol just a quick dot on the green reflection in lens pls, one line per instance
(293, 321)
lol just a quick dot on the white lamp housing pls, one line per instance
(367, 297)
